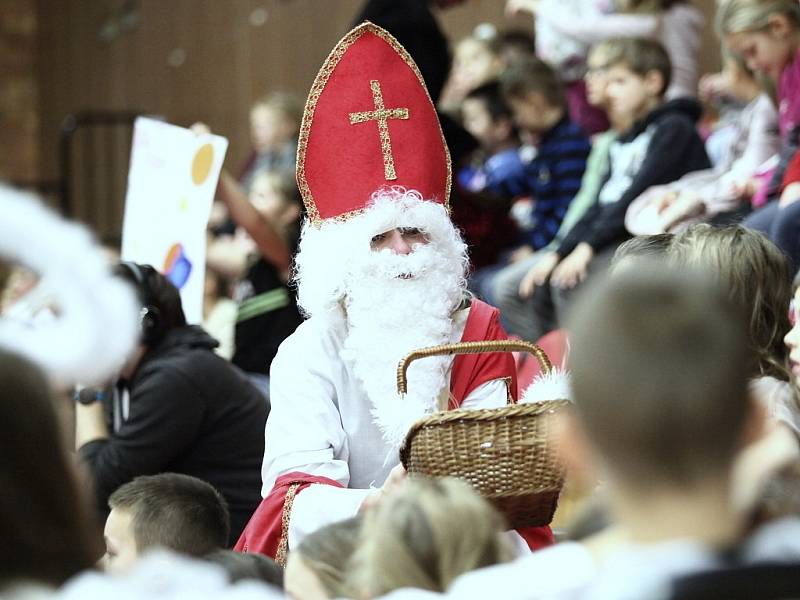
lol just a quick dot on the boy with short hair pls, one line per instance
(169, 510)
(661, 146)
(553, 176)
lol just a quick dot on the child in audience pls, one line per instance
(274, 124)
(476, 61)
(766, 33)
(553, 176)
(169, 510)
(47, 527)
(513, 286)
(488, 118)
(755, 274)
(792, 338)
(660, 146)
(424, 535)
(496, 167)
(673, 346)
(267, 312)
(317, 569)
(720, 193)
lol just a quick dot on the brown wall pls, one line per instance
(19, 116)
(189, 60)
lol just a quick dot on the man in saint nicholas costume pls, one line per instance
(381, 271)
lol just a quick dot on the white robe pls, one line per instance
(320, 424)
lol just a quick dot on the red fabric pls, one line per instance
(472, 370)
(555, 345)
(343, 164)
(792, 172)
(537, 537)
(265, 528)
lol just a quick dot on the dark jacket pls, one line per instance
(413, 24)
(189, 411)
(674, 149)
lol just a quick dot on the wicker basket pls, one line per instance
(505, 453)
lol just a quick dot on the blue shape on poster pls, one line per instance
(177, 267)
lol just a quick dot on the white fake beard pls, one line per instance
(396, 304)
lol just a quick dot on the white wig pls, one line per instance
(326, 252)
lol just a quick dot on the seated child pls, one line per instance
(553, 176)
(267, 311)
(755, 274)
(169, 510)
(424, 535)
(704, 195)
(476, 61)
(487, 117)
(661, 146)
(495, 173)
(317, 569)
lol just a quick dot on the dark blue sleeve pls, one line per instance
(565, 172)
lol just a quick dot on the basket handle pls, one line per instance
(469, 348)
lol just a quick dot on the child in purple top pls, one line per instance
(766, 34)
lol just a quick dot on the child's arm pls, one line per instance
(673, 142)
(269, 242)
(598, 28)
(762, 140)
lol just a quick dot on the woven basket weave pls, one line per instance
(506, 453)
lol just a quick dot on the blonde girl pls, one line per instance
(424, 536)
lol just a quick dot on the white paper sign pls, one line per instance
(171, 183)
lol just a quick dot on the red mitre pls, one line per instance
(369, 123)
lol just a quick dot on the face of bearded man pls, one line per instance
(396, 303)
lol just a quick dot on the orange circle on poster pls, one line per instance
(201, 164)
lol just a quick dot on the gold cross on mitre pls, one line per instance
(381, 114)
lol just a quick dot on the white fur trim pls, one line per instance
(96, 322)
(325, 252)
(554, 385)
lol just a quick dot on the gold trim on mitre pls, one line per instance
(320, 81)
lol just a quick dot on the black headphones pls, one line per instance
(149, 316)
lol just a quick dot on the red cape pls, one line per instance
(267, 531)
